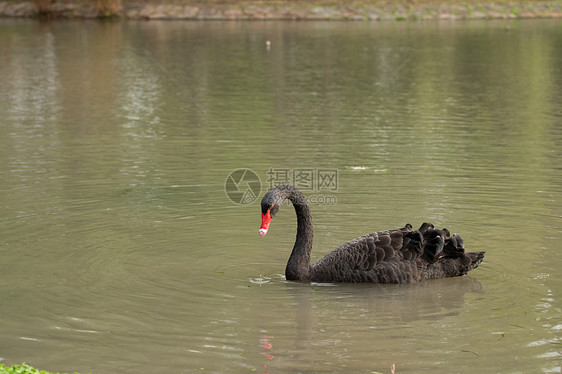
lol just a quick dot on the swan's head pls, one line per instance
(269, 207)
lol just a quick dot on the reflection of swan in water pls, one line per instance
(400, 303)
(337, 323)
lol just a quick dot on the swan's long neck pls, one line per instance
(298, 266)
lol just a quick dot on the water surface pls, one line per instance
(121, 250)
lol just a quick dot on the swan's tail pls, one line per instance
(475, 259)
(454, 266)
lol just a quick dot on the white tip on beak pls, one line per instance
(262, 232)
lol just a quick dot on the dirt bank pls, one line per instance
(294, 10)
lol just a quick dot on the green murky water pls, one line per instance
(121, 251)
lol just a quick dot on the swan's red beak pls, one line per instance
(265, 221)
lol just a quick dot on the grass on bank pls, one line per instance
(22, 369)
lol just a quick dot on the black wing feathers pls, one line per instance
(398, 256)
(427, 243)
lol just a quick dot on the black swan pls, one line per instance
(391, 256)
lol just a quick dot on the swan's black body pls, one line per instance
(391, 256)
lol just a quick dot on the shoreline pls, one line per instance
(188, 10)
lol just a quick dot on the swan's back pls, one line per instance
(397, 256)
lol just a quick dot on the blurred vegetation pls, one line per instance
(111, 8)
(44, 6)
(106, 7)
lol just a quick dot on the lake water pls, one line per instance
(121, 251)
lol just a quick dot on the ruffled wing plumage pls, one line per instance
(397, 256)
